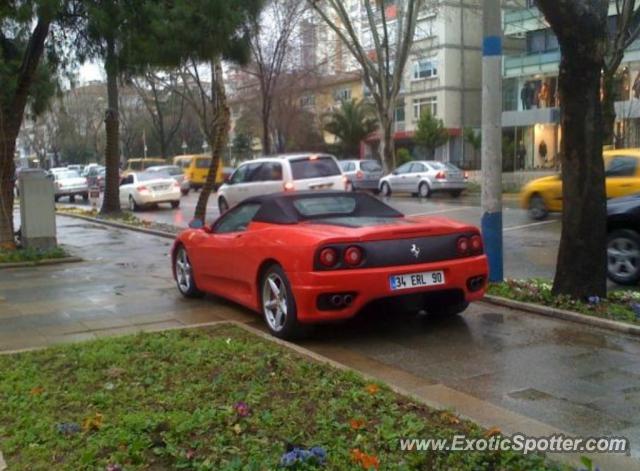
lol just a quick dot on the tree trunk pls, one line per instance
(581, 266)
(386, 147)
(111, 200)
(266, 136)
(7, 175)
(11, 117)
(609, 98)
(221, 126)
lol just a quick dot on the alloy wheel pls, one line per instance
(274, 301)
(623, 258)
(184, 273)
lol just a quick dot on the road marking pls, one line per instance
(526, 226)
(461, 208)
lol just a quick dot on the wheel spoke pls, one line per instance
(274, 288)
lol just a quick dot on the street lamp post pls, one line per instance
(184, 147)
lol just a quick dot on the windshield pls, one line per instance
(203, 163)
(314, 167)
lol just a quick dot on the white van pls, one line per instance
(292, 172)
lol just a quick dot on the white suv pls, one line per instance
(281, 173)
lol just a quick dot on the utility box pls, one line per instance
(37, 210)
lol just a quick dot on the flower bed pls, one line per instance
(620, 305)
(31, 255)
(214, 399)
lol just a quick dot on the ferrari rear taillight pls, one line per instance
(476, 244)
(142, 189)
(328, 257)
(353, 256)
(463, 246)
(359, 175)
(441, 176)
(289, 186)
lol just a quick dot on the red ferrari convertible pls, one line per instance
(309, 257)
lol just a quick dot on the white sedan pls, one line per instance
(138, 190)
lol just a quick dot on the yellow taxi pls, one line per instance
(196, 169)
(622, 172)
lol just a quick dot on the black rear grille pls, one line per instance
(395, 252)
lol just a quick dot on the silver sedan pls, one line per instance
(423, 178)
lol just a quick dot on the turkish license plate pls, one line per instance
(416, 280)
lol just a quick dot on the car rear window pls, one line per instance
(370, 166)
(146, 176)
(203, 163)
(317, 167)
(325, 206)
(66, 175)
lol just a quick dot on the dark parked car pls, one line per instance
(623, 240)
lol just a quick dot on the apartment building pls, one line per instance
(443, 73)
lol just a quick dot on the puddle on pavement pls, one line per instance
(581, 338)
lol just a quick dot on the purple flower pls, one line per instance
(593, 300)
(68, 428)
(113, 467)
(242, 409)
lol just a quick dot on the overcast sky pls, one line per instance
(89, 72)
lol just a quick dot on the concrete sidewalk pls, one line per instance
(111, 293)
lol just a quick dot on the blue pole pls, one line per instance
(492, 138)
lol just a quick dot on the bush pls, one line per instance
(403, 156)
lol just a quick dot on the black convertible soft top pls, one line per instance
(280, 208)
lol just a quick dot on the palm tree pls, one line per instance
(351, 123)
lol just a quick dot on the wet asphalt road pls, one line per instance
(579, 379)
(530, 247)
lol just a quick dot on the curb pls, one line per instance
(564, 315)
(119, 225)
(44, 262)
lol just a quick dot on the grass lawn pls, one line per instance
(620, 305)
(212, 399)
(31, 255)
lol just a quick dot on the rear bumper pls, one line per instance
(448, 186)
(154, 198)
(80, 190)
(365, 184)
(372, 284)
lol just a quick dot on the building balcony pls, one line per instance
(531, 64)
(517, 22)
